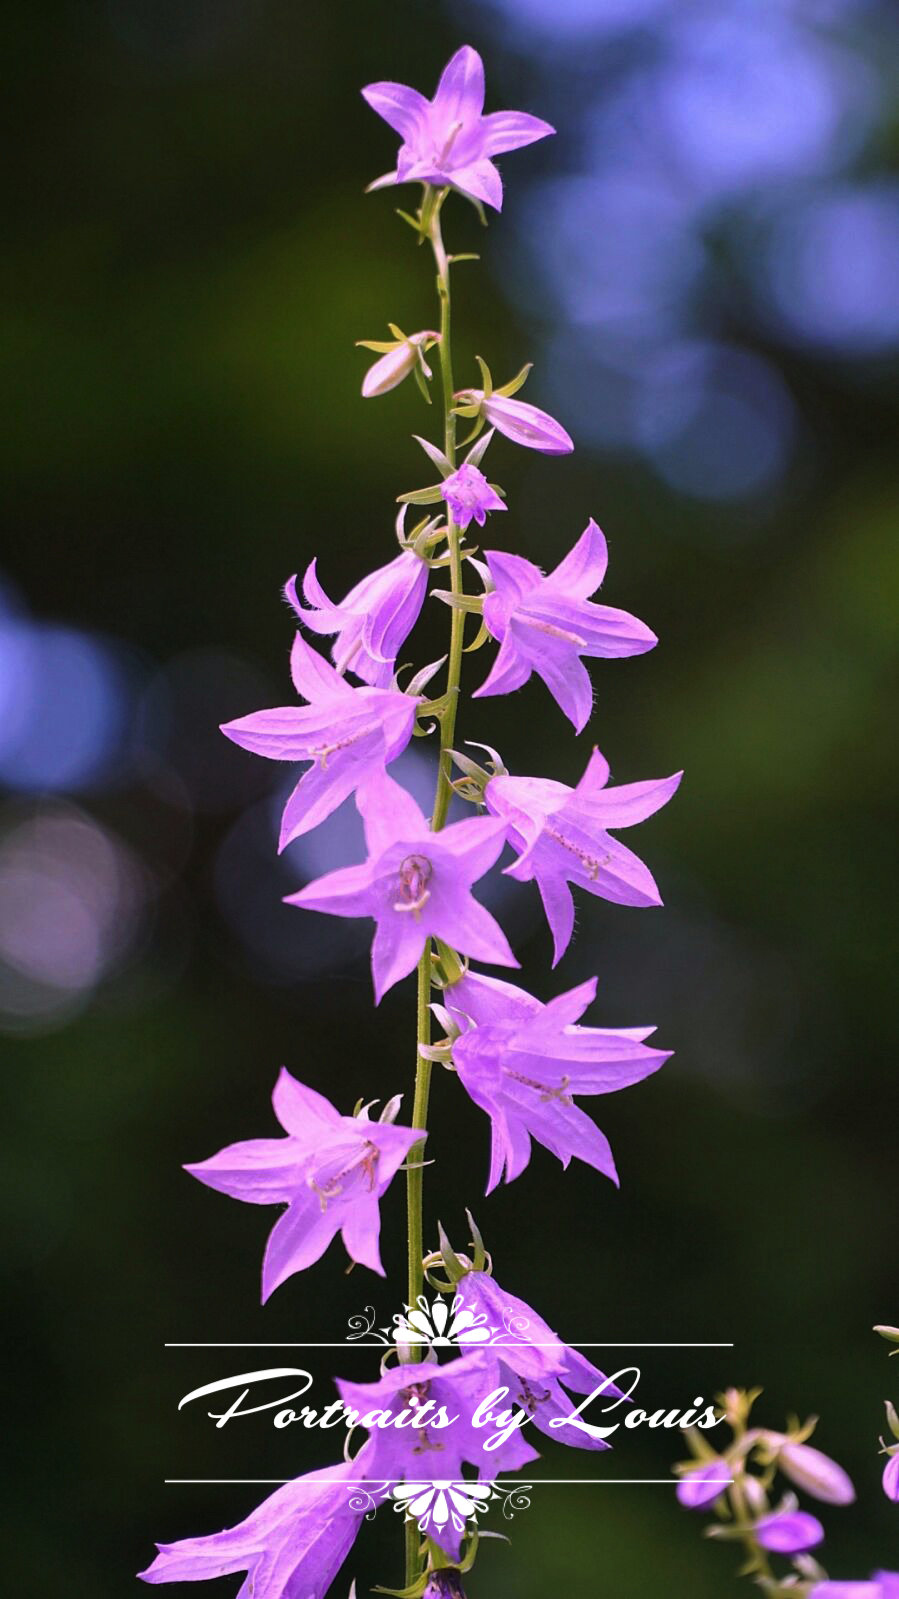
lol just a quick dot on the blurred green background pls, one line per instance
(703, 266)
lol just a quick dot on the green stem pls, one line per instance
(431, 208)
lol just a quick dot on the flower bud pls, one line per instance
(444, 1584)
(891, 1478)
(816, 1473)
(704, 1484)
(789, 1532)
(396, 362)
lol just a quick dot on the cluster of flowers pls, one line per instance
(523, 1062)
(740, 1483)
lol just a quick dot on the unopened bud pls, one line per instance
(815, 1472)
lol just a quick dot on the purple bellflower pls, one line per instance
(526, 1071)
(535, 1365)
(891, 1478)
(372, 622)
(330, 1171)
(348, 734)
(293, 1544)
(561, 834)
(545, 624)
(425, 1448)
(789, 1532)
(448, 140)
(415, 884)
(469, 496)
(703, 1484)
(883, 1585)
(522, 423)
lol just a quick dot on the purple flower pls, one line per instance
(400, 357)
(426, 1449)
(525, 1072)
(330, 1171)
(789, 1532)
(562, 835)
(445, 1583)
(545, 624)
(535, 1365)
(703, 1484)
(469, 495)
(294, 1543)
(447, 140)
(372, 622)
(524, 424)
(891, 1478)
(347, 733)
(883, 1585)
(812, 1471)
(416, 884)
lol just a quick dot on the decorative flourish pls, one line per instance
(438, 1324)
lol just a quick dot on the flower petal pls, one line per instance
(460, 92)
(402, 108)
(510, 130)
(581, 571)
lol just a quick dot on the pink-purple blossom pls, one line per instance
(372, 622)
(293, 1544)
(428, 1448)
(703, 1484)
(469, 496)
(891, 1478)
(535, 1365)
(544, 624)
(562, 837)
(347, 734)
(525, 1072)
(330, 1171)
(522, 423)
(415, 884)
(883, 1585)
(399, 358)
(448, 140)
(789, 1532)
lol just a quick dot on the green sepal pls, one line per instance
(892, 1418)
(421, 381)
(460, 602)
(517, 382)
(455, 1270)
(415, 225)
(380, 346)
(420, 497)
(477, 1243)
(481, 638)
(486, 379)
(468, 255)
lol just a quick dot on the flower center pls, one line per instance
(591, 863)
(322, 751)
(547, 1091)
(366, 1162)
(413, 893)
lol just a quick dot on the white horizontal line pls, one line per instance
(351, 1344)
(542, 1482)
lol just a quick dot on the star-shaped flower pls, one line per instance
(416, 884)
(425, 1449)
(448, 140)
(535, 1365)
(294, 1543)
(545, 624)
(330, 1171)
(374, 619)
(469, 496)
(526, 1070)
(562, 837)
(348, 734)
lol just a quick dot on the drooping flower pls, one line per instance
(891, 1478)
(434, 1431)
(545, 624)
(522, 423)
(448, 140)
(372, 622)
(444, 1582)
(348, 734)
(330, 1171)
(469, 496)
(703, 1484)
(562, 837)
(535, 1365)
(789, 1532)
(526, 1071)
(883, 1585)
(294, 1543)
(415, 884)
(811, 1470)
(398, 358)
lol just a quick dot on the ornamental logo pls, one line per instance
(437, 1507)
(437, 1324)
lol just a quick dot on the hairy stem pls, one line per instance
(430, 214)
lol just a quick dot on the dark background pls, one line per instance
(703, 266)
